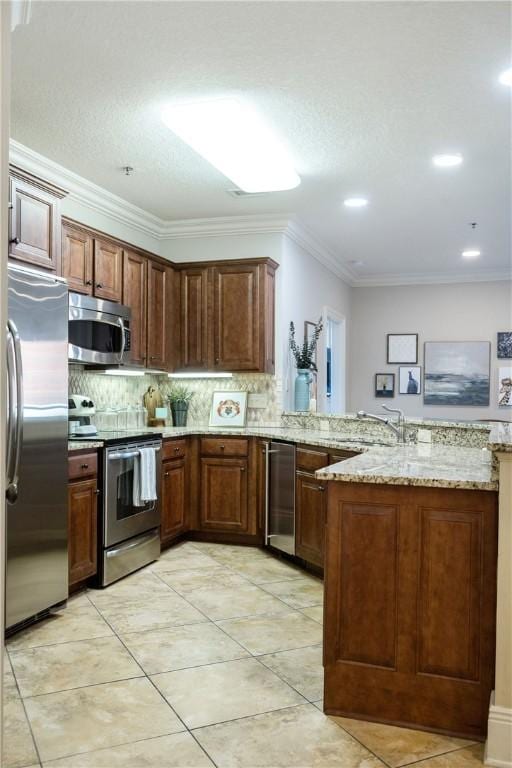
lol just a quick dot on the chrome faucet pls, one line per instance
(399, 428)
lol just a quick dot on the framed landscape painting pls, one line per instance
(457, 373)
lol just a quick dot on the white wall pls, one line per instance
(451, 312)
(305, 287)
(240, 246)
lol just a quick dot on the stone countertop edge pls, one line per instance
(390, 464)
(500, 438)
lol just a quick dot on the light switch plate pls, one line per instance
(257, 400)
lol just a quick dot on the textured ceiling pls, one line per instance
(364, 94)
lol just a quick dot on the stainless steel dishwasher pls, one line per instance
(280, 496)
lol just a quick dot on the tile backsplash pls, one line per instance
(113, 396)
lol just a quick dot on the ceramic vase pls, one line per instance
(302, 383)
(179, 414)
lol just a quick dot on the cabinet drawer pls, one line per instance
(310, 460)
(174, 449)
(216, 446)
(84, 465)
(341, 455)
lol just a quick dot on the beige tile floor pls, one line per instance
(210, 657)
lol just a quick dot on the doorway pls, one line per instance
(332, 363)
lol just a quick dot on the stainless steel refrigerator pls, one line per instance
(37, 400)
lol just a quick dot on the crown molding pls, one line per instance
(432, 278)
(85, 192)
(303, 237)
(102, 201)
(220, 226)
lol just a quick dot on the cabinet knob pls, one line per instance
(321, 488)
(242, 469)
(99, 285)
(217, 359)
(97, 491)
(84, 466)
(166, 474)
(222, 447)
(176, 450)
(88, 282)
(152, 357)
(15, 240)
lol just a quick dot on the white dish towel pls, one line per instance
(144, 477)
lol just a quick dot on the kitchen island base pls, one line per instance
(410, 605)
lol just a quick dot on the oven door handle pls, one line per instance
(127, 454)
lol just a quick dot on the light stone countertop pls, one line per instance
(435, 466)
(430, 465)
(76, 445)
(500, 438)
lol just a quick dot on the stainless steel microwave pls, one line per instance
(99, 331)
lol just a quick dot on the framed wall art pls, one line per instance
(402, 348)
(504, 345)
(384, 385)
(409, 380)
(229, 409)
(505, 387)
(457, 373)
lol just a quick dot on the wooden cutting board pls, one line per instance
(152, 399)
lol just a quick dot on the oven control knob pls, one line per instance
(90, 404)
(85, 403)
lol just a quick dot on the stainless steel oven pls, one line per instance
(99, 331)
(130, 535)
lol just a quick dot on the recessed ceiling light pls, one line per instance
(506, 77)
(234, 138)
(471, 253)
(355, 202)
(447, 161)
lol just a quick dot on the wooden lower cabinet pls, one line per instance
(174, 499)
(310, 511)
(82, 529)
(410, 593)
(224, 495)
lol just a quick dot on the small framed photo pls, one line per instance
(505, 388)
(229, 409)
(409, 380)
(384, 385)
(504, 345)
(402, 348)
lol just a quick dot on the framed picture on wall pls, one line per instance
(457, 373)
(402, 348)
(505, 388)
(409, 380)
(228, 409)
(504, 345)
(384, 385)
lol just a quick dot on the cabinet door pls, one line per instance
(194, 318)
(77, 247)
(224, 495)
(236, 317)
(82, 530)
(310, 510)
(173, 499)
(159, 278)
(134, 296)
(108, 270)
(34, 225)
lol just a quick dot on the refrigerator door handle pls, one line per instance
(17, 431)
(11, 425)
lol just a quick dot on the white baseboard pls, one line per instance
(498, 748)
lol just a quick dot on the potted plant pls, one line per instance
(179, 399)
(304, 355)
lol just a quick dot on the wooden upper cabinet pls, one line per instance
(194, 318)
(108, 270)
(77, 259)
(236, 317)
(159, 292)
(34, 224)
(135, 267)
